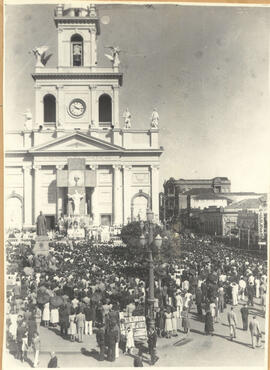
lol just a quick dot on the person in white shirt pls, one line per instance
(234, 293)
(185, 285)
(257, 287)
(242, 287)
(222, 278)
(188, 300)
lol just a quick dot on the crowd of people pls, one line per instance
(82, 287)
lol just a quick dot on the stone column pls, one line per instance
(116, 106)
(37, 193)
(117, 196)
(27, 196)
(93, 60)
(60, 46)
(155, 189)
(59, 199)
(127, 193)
(90, 108)
(94, 201)
(94, 106)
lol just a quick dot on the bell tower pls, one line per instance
(77, 35)
(78, 94)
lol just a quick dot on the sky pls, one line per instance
(204, 68)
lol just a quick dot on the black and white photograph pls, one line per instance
(136, 181)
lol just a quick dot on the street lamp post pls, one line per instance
(149, 243)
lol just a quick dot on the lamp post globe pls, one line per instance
(158, 241)
(142, 240)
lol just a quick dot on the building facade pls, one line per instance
(74, 158)
(180, 195)
(245, 220)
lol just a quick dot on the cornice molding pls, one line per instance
(78, 76)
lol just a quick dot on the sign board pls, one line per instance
(75, 178)
(137, 323)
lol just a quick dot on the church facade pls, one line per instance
(74, 158)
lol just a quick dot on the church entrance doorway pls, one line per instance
(106, 220)
(50, 221)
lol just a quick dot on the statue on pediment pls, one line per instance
(127, 118)
(154, 119)
(41, 225)
(28, 119)
(115, 55)
(40, 54)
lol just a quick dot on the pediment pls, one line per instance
(74, 142)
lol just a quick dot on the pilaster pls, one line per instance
(37, 186)
(59, 199)
(59, 106)
(94, 201)
(93, 40)
(94, 106)
(116, 106)
(117, 196)
(127, 193)
(39, 106)
(27, 195)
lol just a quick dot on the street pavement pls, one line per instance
(196, 349)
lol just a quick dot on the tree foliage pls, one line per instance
(169, 250)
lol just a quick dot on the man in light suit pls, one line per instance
(255, 332)
(80, 321)
(232, 323)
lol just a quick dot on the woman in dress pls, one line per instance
(72, 325)
(209, 323)
(168, 323)
(185, 320)
(54, 318)
(46, 314)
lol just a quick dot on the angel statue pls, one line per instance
(28, 119)
(40, 54)
(115, 55)
(127, 117)
(154, 119)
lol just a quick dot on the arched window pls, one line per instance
(77, 50)
(49, 103)
(105, 109)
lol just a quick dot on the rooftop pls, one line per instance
(248, 203)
